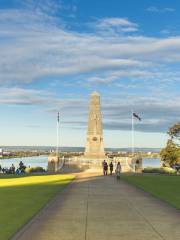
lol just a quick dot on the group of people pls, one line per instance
(13, 170)
(105, 167)
(10, 170)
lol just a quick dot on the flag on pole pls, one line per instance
(136, 116)
(58, 117)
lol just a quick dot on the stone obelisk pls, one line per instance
(94, 143)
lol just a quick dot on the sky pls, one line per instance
(55, 53)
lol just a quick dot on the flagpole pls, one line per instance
(57, 138)
(132, 138)
(132, 134)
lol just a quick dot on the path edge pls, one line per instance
(29, 222)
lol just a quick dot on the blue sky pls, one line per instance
(54, 53)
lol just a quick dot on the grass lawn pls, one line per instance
(22, 197)
(164, 187)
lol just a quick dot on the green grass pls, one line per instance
(22, 197)
(164, 187)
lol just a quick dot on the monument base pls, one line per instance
(129, 164)
(94, 158)
(95, 155)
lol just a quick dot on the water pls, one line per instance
(151, 162)
(38, 161)
(42, 161)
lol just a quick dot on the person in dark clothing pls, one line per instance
(111, 168)
(105, 167)
(21, 165)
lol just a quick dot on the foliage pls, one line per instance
(161, 170)
(23, 196)
(34, 170)
(174, 131)
(170, 155)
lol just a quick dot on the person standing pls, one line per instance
(111, 167)
(105, 167)
(118, 170)
(13, 169)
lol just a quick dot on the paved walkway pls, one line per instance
(95, 207)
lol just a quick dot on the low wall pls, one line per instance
(128, 164)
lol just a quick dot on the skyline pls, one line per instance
(55, 53)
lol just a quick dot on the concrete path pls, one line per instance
(95, 207)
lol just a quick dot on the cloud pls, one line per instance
(116, 25)
(46, 7)
(113, 76)
(34, 45)
(136, 77)
(49, 102)
(21, 96)
(160, 10)
(157, 112)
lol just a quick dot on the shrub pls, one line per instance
(169, 170)
(161, 170)
(34, 170)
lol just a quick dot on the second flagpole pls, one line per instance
(132, 134)
(132, 138)
(57, 139)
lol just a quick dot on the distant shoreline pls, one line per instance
(74, 149)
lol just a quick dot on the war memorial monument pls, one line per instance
(94, 142)
(94, 149)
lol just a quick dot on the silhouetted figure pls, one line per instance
(111, 167)
(21, 165)
(105, 167)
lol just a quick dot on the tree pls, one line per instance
(174, 132)
(170, 155)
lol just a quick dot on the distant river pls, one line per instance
(151, 162)
(41, 161)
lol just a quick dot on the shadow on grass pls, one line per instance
(65, 170)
